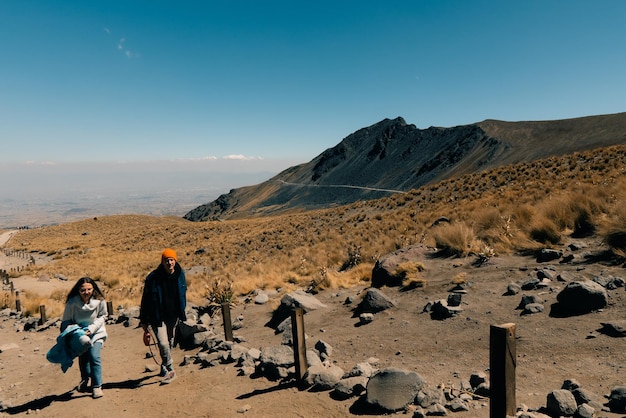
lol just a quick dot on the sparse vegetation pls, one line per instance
(516, 208)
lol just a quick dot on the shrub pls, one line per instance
(455, 239)
(613, 232)
(545, 231)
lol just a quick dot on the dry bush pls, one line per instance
(409, 273)
(455, 239)
(543, 230)
(494, 230)
(613, 232)
(31, 302)
(459, 278)
(7, 300)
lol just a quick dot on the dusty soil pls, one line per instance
(549, 350)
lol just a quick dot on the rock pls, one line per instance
(361, 369)
(546, 255)
(512, 289)
(261, 299)
(366, 318)
(349, 387)
(561, 402)
(393, 389)
(384, 271)
(617, 400)
(323, 377)
(527, 299)
(532, 308)
(325, 349)
(375, 301)
(297, 299)
(441, 310)
(586, 411)
(581, 297)
(430, 396)
(274, 360)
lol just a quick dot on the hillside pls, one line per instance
(566, 204)
(392, 156)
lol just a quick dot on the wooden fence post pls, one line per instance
(42, 313)
(109, 309)
(299, 343)
(228, 327)
(18, 304)
(502, 362)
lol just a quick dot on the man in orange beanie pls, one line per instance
(163, 304)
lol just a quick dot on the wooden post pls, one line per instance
(12, 287)
(228, 327)
(109, 308)
(18, 304)
(502, 362)
(299, 343)
(42, 313)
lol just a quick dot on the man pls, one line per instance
(163, 304)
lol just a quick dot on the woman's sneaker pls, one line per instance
(97, 393)
(83, 386)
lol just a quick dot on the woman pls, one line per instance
(85, 306)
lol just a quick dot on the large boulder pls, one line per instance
(582, 297)
(393, 389)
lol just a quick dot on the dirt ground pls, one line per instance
(549, 350)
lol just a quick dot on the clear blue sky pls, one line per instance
(129, 80)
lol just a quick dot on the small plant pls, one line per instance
(219, 292)
(409, 274)
(354, 258)
(459, 278)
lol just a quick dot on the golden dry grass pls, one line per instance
(520, 207)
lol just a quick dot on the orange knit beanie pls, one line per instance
(168, 253)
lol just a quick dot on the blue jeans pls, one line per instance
(90, 365)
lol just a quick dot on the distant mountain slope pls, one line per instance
(392, 156)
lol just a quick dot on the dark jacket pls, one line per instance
(153, 298)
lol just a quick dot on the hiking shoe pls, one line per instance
(83, 386)
(97, 393)
(163, 371)
(171, 375)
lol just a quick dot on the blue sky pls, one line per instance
(278, 82)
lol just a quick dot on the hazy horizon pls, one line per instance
(51, 195)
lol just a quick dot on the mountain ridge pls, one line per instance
(392, 156)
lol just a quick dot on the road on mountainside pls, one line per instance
(346, 186)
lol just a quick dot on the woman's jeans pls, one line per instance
(165, 340)
(90, 365)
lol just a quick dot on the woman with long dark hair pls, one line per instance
(85, 307)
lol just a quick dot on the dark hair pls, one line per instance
(76, 289)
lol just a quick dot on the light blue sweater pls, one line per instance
(90, 316)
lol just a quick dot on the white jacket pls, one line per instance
(91, 315)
